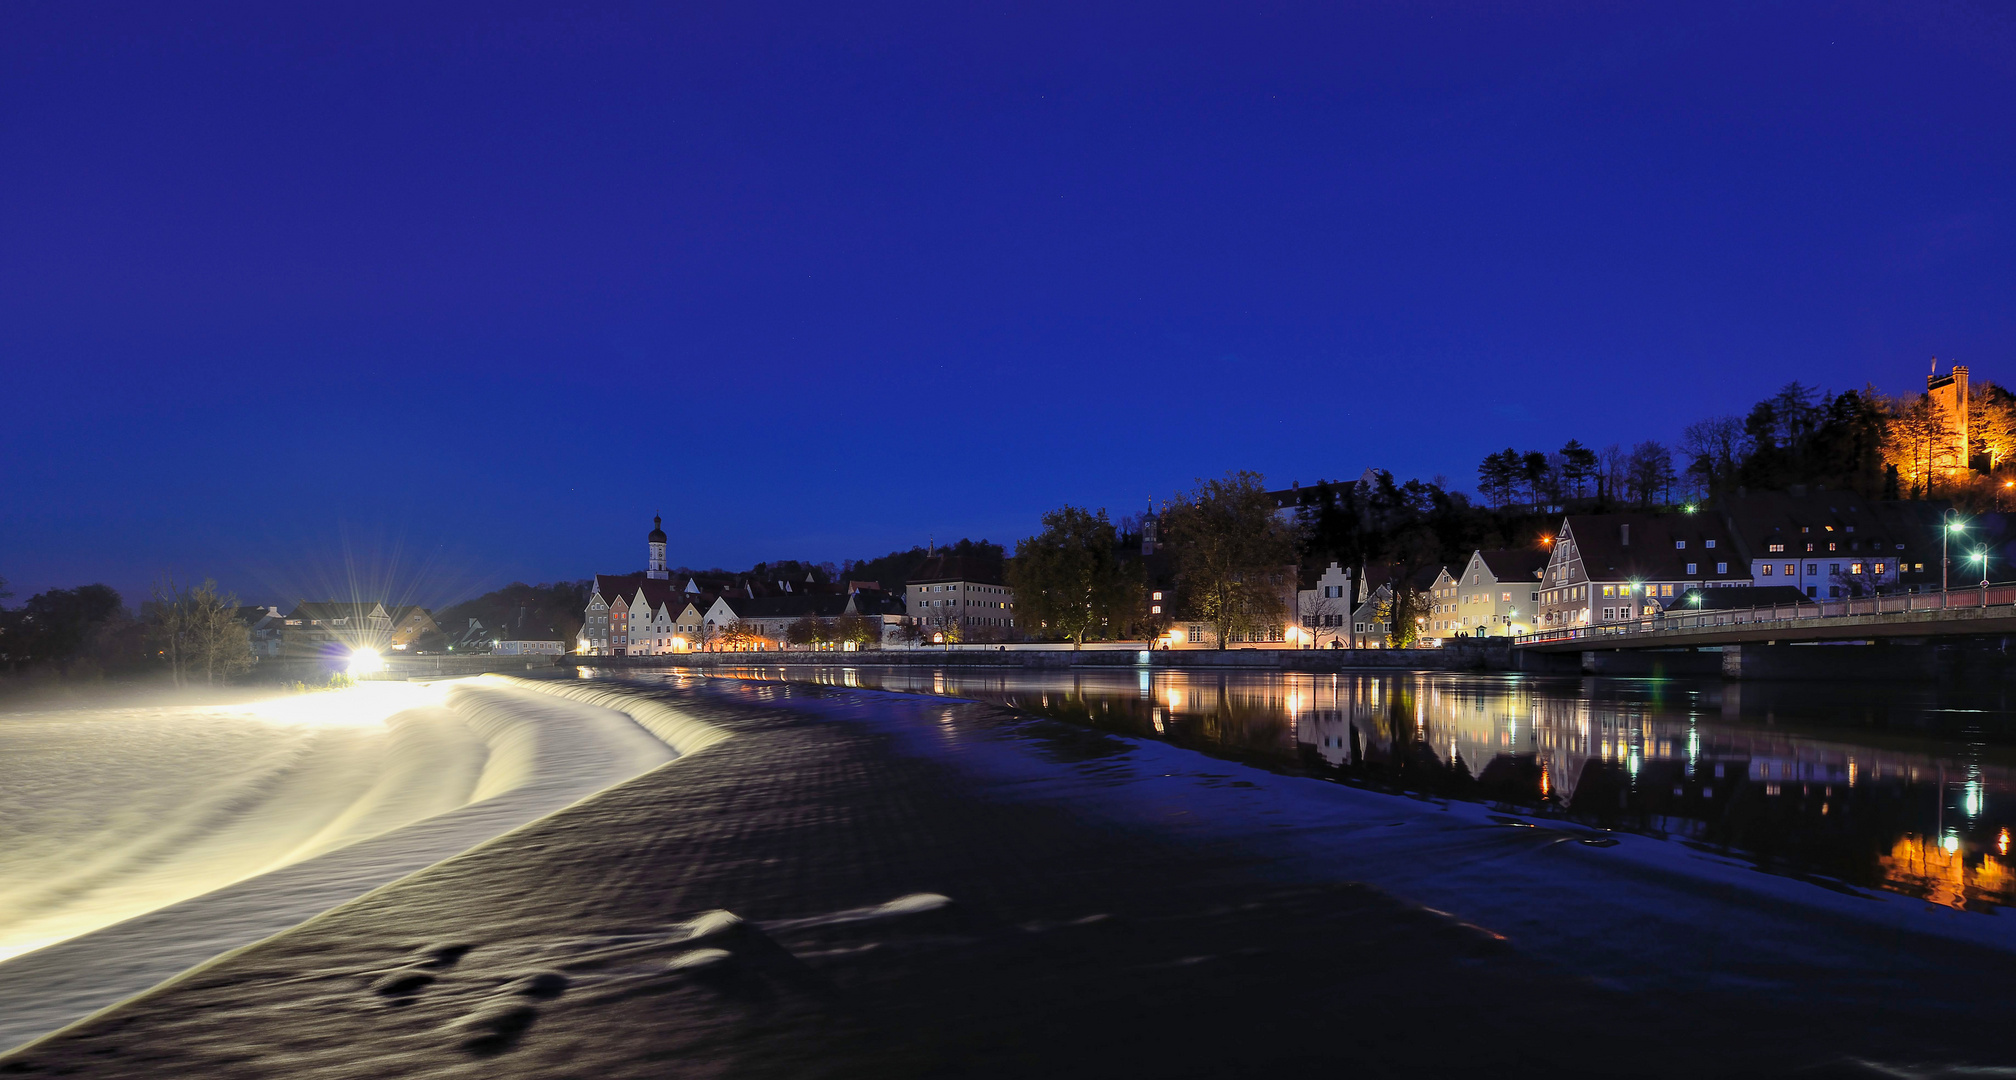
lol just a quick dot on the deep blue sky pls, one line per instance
(463, 296)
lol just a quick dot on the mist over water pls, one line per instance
(137, 842)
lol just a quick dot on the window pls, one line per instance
(1879, 567)
(1665, 590)
(1707, 543)
(1834, 568)
(1790, 569)
(1505, 597)
(1721, 567)
(1777, 547)
(1851, 528)
(1690, 569)
(1679, 545)
(1833, 591)
(1158, 595)
(1156, 609)
(1609, 590)
(1916, 567)
(1534, 598)
(1766, 570)
(1609, 614)
(1833, 547)
(1855, 568)
(1830, 528)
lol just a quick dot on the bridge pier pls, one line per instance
(1832, 662)
(1653, 663)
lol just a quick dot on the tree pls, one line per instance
(1578, 466)
(1648, 472)
(1231, 550)
(63, 626)
(739, 636)
(911, 633)
(1610, 482)
(197, 631)
(1403, 610)
(860, 630)
(1498, 475)
(1068, 579)
(1714, 447)
(1533, 470)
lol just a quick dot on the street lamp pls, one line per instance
(1952, 525)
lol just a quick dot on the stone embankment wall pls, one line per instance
(1457, 656)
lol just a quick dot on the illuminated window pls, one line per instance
(1665, 590)
(1790, 569)
(1157, 609)
(1158, 596)
(1833, 547)
(1879, 567)
(1609, 590)
(1855, 568)
(1766, 569)
(1777, 547)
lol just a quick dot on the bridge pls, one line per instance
(1748, 638)
(1958, 612)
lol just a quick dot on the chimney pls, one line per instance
(1626, 527)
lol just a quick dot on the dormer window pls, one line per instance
(1829, 528)
(1707, 543)
(1679, 545)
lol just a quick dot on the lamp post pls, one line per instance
(1949, 527)
(1981, 557)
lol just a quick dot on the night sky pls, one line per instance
(440, 298)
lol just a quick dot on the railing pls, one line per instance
(2003, 593)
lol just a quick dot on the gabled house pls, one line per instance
(1612, 569)
(1498, 592)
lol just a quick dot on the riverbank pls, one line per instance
(927, 886)
(1459, 655)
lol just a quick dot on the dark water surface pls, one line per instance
(1910, 789)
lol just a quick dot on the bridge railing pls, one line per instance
(2000, 594)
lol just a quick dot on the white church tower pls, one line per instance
(657, 539)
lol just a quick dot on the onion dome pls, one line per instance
(657, 531)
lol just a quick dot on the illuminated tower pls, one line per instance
(657, 539)
(1949, 451)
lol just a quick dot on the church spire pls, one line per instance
(657, 542)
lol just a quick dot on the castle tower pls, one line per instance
(657, 539)
(1951, 449)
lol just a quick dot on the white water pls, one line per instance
(136, 843)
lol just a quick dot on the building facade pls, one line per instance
(1498, 594)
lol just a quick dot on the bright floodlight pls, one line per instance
(366, 661)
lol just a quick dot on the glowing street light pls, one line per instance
(365, 662)
(1953, 525)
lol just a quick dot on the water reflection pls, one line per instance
(1907, 789)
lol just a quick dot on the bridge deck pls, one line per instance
(1917, 615)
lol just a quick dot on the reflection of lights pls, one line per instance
(1951, 843)
(366, 661)
(2002, 842)
(1972, 799)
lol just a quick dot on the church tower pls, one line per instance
(657, 539)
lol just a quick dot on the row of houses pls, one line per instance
(1598, 569)
(652, 613)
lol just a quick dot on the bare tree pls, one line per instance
(1714, 448)
(1610, 478)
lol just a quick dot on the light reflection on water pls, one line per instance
(1911, 789)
